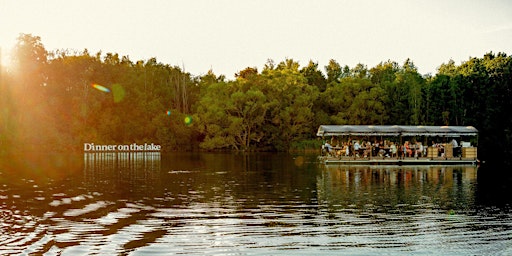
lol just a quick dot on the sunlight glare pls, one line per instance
(5, 62)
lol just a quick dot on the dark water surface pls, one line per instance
(236, 204)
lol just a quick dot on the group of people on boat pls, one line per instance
(366, 149)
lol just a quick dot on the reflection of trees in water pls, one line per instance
(445, 187)
(243, 180)
(126, 171)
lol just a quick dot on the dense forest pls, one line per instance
(59, 100)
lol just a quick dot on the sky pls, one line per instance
(227, 36)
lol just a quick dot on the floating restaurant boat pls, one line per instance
(445, 152)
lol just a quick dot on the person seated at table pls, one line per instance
(356, 148)
(328, 148)
(338, 150)
(454, 143)
(376, 148)
(419, 150)
(440, 150)
(407, 149)
(387, 149)
(343, 150)
(382, 153)
(368, 149)
(456, 149)
(393, 149)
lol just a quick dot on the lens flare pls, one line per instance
(168, 112)
(118, 92)
(188, 120)
(101, 88)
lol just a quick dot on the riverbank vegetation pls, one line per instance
(62, 99)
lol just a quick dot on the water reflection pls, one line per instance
(425, 210)
(218, 203)
(395, 188)
(128, 173)
(127, 161)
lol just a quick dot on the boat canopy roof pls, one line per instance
(396, 130)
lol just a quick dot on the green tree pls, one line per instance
(384, 72)
(334, 71)
(291, 99)
(28, 92)
(357, 101)
(448, 69)
(360, 71)
(404, 96)
(30, 58)
(231, 114)
(314, 76)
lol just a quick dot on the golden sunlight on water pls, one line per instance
(206, 203)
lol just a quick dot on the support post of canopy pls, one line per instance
(400, 147)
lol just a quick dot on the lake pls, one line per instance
(245, 204)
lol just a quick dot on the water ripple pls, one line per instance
(235, 208)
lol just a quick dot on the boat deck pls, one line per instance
(398, 161)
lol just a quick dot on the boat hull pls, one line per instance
(395, 161)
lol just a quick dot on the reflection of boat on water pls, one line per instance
(447, 153)
(395, 185)
(345, 176)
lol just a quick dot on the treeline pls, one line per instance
(49, 102)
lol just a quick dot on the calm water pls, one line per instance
(235, 204)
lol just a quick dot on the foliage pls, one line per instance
(48, 101)
(310, 144)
